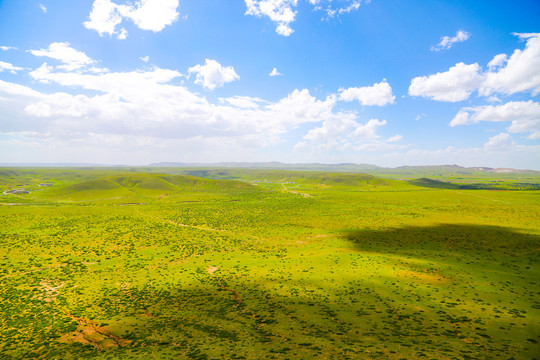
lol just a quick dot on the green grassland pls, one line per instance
(170, 263)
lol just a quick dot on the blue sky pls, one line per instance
(383, 82)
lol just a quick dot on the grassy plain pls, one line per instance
(132, 264)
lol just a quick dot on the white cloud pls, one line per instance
(105, 16)
(4, 66)
(454, 85)
(332, 129)
(493, 99)
(43, 8)
(498, 61)
(394, 138)
(355, 5)
(275, 72)
(379, 94)
(283, 13)
(245, 102)
(447, 42)
(333, 9)
(71, 58)
(212, 74)
(520, 72)
(301, 107)
(153, 15)
(368, 130)
(6, 48)
(500, 142)
(344, 133)
(145, 58)
(122, 35)
(279, 11)
(523, 115)
(505, 75)
(146, 116)
(146, 106)
(18, 90)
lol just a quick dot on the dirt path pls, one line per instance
(236, 295)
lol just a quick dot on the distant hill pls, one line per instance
(82, 184)
(288, 176)
(232, 170)
(347, 167)
(61, 165)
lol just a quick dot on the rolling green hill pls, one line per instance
(93, 185)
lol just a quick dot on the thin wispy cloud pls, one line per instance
(283, 12)
(448, 41)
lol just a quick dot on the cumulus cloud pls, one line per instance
(517, 73)
(283, 12)
(18, 90)
(301, 105)
(4, 66)
(153, 15)
(43, 8)
(105, 16)
(71, 58)
(368, 130)
(379, 94)
(145, 58)
(505, 75)
(212, 74)
(448, 41)
(500, 142)
(454, 85)
(275, 72)
(524, 116)
(6, 48)
(279, 11)
(497, 62)
(344, 132)
(122, 35)
(151, 108)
